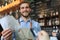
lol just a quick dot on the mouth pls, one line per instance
(25, 12)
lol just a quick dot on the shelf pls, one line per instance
(50, 25)
(41, 18)
(43, 26)
(56, 16)
(50, 17)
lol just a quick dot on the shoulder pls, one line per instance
(36, 25)
(35, 22)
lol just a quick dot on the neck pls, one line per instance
(25, 18)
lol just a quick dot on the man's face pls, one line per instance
(25, 9)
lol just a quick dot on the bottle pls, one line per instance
(57, 21)
(49, 22)
(56, 12)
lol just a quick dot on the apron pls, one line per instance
(25, 33)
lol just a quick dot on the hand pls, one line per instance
(7, 34)
(43, 35)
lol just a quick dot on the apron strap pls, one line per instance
(30, 26)
(30, 23)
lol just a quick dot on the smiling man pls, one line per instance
(25, 21)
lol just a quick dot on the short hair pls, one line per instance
(23, 3)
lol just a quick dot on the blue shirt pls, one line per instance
(35, 25)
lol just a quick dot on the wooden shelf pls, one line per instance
(56, 16)
(52, 25)
(41, 18)
(49, 25)
(50, 17)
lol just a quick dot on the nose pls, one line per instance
(25, 9)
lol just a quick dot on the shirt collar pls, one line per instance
(21, 20)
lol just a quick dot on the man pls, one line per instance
(25, 22)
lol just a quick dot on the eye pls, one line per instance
(27, 7)
(22, 7)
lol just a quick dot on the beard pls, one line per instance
(25, 14)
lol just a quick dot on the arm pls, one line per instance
(36, 29)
